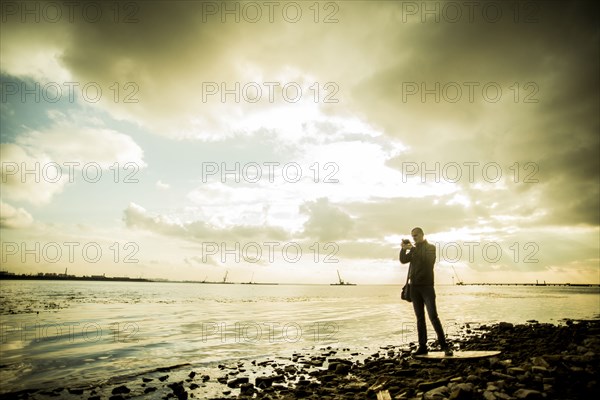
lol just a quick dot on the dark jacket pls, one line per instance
(421, 258)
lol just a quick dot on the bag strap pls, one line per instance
(408, 273)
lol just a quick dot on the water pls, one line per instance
(68, 333)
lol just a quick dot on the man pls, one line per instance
(421, 258)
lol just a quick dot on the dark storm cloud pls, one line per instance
(559, 132)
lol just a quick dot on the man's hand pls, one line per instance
(407, 246)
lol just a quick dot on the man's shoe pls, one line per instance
(447, 351)
(420, 351)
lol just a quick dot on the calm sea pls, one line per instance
(67, 333)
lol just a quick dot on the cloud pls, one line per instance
(40, 163)
(36, 187)
(326, 222)
(135, 216)
(557, 133)
(35, 52)
(82, 141)
(14, 218)
(160, 185)
(171, 90)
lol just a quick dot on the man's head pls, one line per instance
(417, 235)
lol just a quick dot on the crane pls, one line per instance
(460, 282)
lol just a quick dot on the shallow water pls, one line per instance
(57, 333)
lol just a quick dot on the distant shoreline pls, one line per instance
(4, 276)
(61, 277)
(72, 278)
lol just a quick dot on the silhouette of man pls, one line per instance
(422, 258)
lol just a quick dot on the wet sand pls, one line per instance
(537, 361)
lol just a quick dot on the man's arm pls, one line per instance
(407, 257)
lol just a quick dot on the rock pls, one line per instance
(427, 386)
(540, 362)
(246, 389)
(302, 382)
(355, 387)
(438, 393)
(340, 360)
(300, 393)
(553, 357)
(163, 378)
(503, 326)
(502, 376)
(528, 394)
(487, 395)
(76, 391)
(502, 396)
(149, 390)
(327, 378)
(317, 361)
(235, 383)
(178, 390)
(192, 374)
(121, 390)
(146, 380)
(515, 371)
(263, 382)
(290, 369)
(539, 370)
(462, 391)
(342, 369)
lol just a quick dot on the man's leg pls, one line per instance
(418, 306)
(428, 294)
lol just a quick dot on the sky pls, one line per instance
(285, 141)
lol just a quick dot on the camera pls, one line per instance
(405, 241)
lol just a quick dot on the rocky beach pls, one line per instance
(537, 361)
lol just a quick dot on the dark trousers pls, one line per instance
(424, 296)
